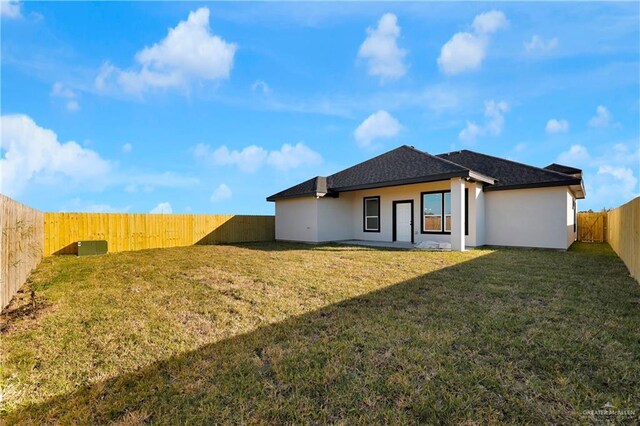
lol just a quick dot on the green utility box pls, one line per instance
(88, 248)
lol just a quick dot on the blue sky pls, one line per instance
(211, 107)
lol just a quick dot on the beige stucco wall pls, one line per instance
(297, 219)
(533, 217)
(571, 234)
(477, 211)
(334, 219)
(400, 193)
(538, 217)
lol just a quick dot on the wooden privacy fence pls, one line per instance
(28, 235)
(623, 234)
(592, 227)
(125, 232)
(21, 245)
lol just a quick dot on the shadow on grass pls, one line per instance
(495, 339)
(602, 249)
(295, 246)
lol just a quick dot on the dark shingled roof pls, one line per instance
(400, 165)
(406, 165)
(308, 187)
(509, 174)
(563, 169)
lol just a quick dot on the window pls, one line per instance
(371, 214)
(436, 212)
(447, 211)
(432, 212)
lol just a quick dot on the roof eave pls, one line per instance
(569, 183)
(479, 177)
(330, 194)
(409, 181)
(579, 191)
(277, 197)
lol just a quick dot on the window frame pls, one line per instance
(422, 216)
(364, 213)
(443, 212)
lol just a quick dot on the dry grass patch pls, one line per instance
(285, 333)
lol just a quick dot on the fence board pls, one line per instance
(21, 245)
(592, 227)
(623, 234)
(143, 231)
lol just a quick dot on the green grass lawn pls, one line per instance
(285, 333)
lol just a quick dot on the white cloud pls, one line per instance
(10, 9)
(494, 122)
(261, 86)
(222, 192)
(465, 51)
(609, 176)
(127, 147)
(103, 208)
(380, 49)
(252, 157)
(611, 186)
(624, 174)
(59, 90)
(489, 22)
(73, 105)
(618, 154)
(470, 133)
(78, 205)
(249, 159)
(293, 156)
(557, 126)
(602, 117)
(189, 52)
(520, 147)
(538, 44)
(162, 208)
(621, 154)
(378, 125)
(494, 112)
(31, 151)
(576, 155)
(149, 181)
(102, 80)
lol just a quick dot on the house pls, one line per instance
(464, 198)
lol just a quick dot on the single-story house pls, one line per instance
(464, 198)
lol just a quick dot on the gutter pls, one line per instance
(534, 185)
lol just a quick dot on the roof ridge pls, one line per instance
(561, 165)
(436, 157)
(514, 162)
(370, 159)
